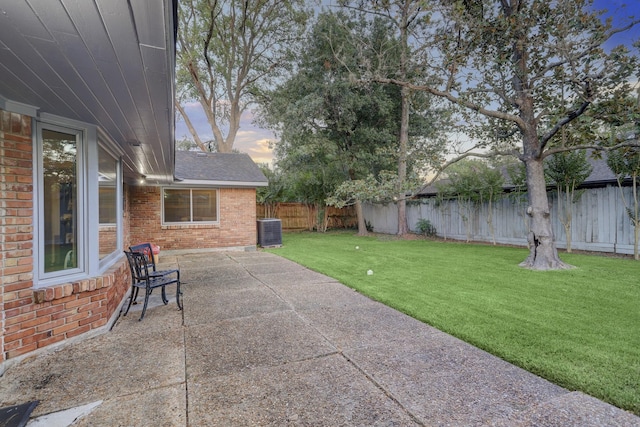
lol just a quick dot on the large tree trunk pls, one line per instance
(362, 226)
(403, 228)
(543, 254)
(404, 122)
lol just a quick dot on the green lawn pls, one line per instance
(579, 328)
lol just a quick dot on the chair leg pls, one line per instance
(146, 301)
(164, 296)
(178, 293)
(131, 298)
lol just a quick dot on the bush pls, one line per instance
(425, 227)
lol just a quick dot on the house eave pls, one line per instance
(214, 183)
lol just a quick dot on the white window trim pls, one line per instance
(191, 223)
(88, 195)
(82, 135)
(107, 145)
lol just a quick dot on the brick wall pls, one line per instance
(16, 219)
(237, 225)
(35, 318)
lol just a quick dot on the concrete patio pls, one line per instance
(264, 341)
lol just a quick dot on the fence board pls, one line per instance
(300, 216)
(600, 222)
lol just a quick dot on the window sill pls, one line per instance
(189, 225)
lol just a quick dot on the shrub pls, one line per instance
(425, 227)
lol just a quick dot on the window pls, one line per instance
(60, 210)
(78, 201)
(190, 205)
(108, 179)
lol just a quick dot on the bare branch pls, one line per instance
(190, 126)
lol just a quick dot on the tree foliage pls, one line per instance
(625, 164)
(567, 170)
(473, 183)
(520, 71)
(330, 127)
(228, 51)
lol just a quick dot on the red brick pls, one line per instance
(51, 340)
(91, 319)
(50, 325)
(76, 318)
(19, 335)
(63, 314)
(24, 317)
(99, 323)
(78, 331)
(46, 311)
(90, 307)
(65, 328)
(80, 301)
(22, 350)
(17, 303)
(35, 322)
(36, 337)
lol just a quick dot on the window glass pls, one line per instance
(60, 200)
(190, 205)
(204, 205)
(177, 205)
(107, 202)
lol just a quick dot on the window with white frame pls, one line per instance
(189, 205)
(78, 201)
(60, 208)
(108, 186)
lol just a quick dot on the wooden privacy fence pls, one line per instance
(600, 222)
(302, 216)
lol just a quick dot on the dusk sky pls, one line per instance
(255, 141)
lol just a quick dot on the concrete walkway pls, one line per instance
(263, 341)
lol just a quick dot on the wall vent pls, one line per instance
(269, 232)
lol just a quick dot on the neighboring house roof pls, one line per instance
(220, 169)
(601, 175)
(103, 62)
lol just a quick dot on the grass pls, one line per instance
(578, 328)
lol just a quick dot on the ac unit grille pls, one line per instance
(269, 232)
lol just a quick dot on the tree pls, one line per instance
(228, 51)
(625, 164)
(517, 174)
(330, 127)
(404, 16)
(472, 183)
(567, 170)
(522, 70)
(271, 195)
(491, 182)
(461, 186)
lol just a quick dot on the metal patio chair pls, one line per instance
(143, 277)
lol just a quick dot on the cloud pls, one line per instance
(250, 139)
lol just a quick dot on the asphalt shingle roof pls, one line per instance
(218, 167)
(601, 175)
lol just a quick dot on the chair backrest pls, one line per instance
(138, 266)
(145, 248)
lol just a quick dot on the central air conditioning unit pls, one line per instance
(269, 232)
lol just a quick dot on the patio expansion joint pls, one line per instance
(184, 354)
(340, 353)
(380, 387)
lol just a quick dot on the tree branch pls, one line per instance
(455, 100)
(570, 117)
(192, 129)
(596, 147)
